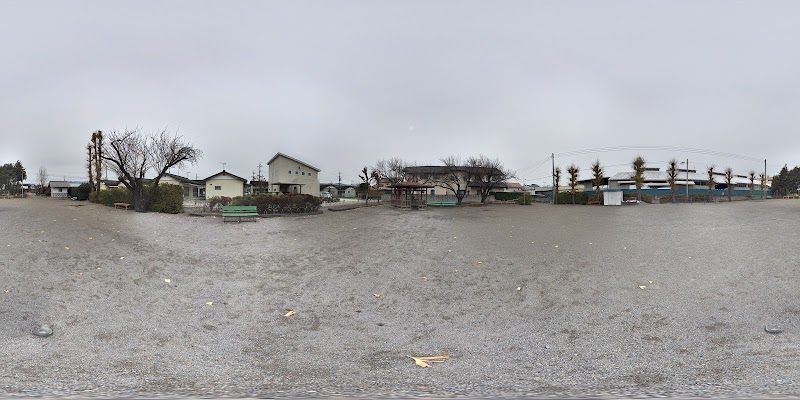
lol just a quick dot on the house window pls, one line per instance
(304, 174)
(290, 172)
(217, 187)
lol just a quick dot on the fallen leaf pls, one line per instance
(425, 277)
(167, 280)
(421, 361)
(290, 313)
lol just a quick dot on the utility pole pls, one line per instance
(340, 179)
(764, 184)
(687, 180)
(260, 180)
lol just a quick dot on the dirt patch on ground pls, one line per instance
(650, 299)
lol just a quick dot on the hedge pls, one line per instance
(269, 204)
(506, 196)
(566, 198)
(164, 199)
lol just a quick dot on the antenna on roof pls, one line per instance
(223, 166)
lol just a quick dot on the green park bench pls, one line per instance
(441, 203)
(239, 212)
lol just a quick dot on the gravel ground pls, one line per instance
(647, 300)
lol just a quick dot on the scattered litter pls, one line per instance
(556, 246)
(421, 361)
(519, 288)
(290, 313)
(122, 258)
(455, 237)
(66, 248)
(209, 303)
(99, 268)
(376, 295)
(480, 262)
(649, 281)
(167, 280)
(642, 287)
(43, 331)
(590, 242)
(5, 291)
(772, 330)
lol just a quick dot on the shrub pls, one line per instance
(118, 195)
(566, 198)
(506, 196)
(81, 192)
(165, 199)
(93, 197)
(524, 199)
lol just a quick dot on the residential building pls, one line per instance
(224, 184)
(192, 189)
(433, 175)
(290, 175)
(59, 189)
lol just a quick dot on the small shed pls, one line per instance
(612, 198)
(59, 189)
(412, 195)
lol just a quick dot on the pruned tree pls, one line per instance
(97, 144)
(763, 183)
(711, 182)
(556, 183)
(364, 186)
(132, 154)
(752, 186)
(573, 171)
(672, 177)
(456, 177)
(597, 178)
(392, 169)
(42, 178)
(638, 165)
(376, 177)
(487, 173)
(90, 166)
(729, 181)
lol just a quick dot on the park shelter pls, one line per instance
(412, 195)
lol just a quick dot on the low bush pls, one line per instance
(81, 192)
(269, 204)
(118, 195)
(566, 198)
(506, 196)
(166, 199)
(524, 199)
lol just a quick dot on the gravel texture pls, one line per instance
(645, 300)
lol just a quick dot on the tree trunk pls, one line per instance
(140, 201)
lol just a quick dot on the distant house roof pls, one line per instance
(109, 182)
(182, 179)
(225, 173)
(293, 159)
(59, 184)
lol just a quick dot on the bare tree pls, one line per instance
(597, 178)
(364, 186)
(376, 177)
(487, 173)
(638, 165)
(711, 183)
(762, 177)
(752, 186)
(729, 181)
(573, 171)
(456, 177)
(672, 177)
(393, 169)
(556, 183)
(132, 154)
(41, 178)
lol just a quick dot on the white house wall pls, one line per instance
(222, 185)
(279, 173)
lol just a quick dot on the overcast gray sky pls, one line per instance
(340, 84)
